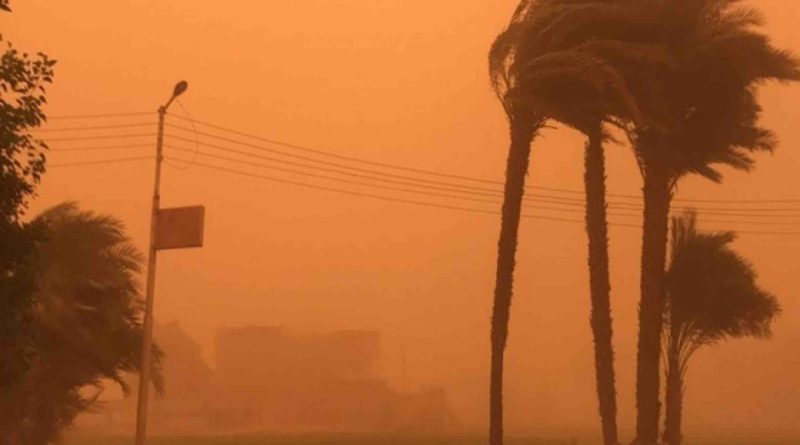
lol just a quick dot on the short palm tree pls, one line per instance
(87, 319)
(579, 76)
(712, 295)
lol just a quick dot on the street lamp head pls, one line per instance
(180, 88)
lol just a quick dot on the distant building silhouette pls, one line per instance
(269, 379)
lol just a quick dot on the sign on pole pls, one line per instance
(180, 228)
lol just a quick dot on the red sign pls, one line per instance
(180, 228)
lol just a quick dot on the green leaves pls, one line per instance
(22, 162)
(23, 80)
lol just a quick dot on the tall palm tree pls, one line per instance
(712, 295)
(708, 100)
(575, 75)
(524, 123)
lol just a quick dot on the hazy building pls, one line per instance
(268, 379)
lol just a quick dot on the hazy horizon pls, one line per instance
(401, 82)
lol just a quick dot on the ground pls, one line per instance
(308, 439)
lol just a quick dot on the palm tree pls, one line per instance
(575, 75)
(712, 295)
(87, 319)
(708, 100)
(524, 124)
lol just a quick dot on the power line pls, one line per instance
(734, 212)
(386, 165)
(333, 155)
(103, 161)
(467, 178)
(385, 198)
(494, 193)
(429, 204)
(345, 181)
(719, 211)
(95, 127)
(100, 148)
(739, 201)
(497, 202)
(89, 138)
(477, 191)
(317, 161)
(459, 188)
(196, 139)
(101, 116)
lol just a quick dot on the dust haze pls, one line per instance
(309, 310)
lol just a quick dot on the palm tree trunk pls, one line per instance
(516, 169)
(674, 395)
(599, 283)
(654, 247)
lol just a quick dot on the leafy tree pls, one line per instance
(87, 319)
(712, 296)
(23, 79)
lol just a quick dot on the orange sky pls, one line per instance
(403, 82)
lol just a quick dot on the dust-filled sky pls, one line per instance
(401, 82)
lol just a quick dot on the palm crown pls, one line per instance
(712, 290)
(707, 95)
(577, 75)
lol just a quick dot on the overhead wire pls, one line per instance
(120, 160)
(385, 198)
(366, 184)
(441, 195)
(467, 178)
(334, 155)
(106, 136)
(321, 152)
(388, 179)
(196, 140)
(97, 162)
(327, 163)
(95, 127)
(101, 115)
(570, 204)
(394, 166)
(479, 191)
(99, 148)
(437, 205)
(721, 211)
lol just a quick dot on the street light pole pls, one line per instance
(147, 340)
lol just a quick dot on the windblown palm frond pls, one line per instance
(601, 63)
(88, 317)
(721, 56)
(712, 291)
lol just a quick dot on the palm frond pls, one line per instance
(712, 290)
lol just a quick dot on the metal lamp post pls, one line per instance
(147, 341)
